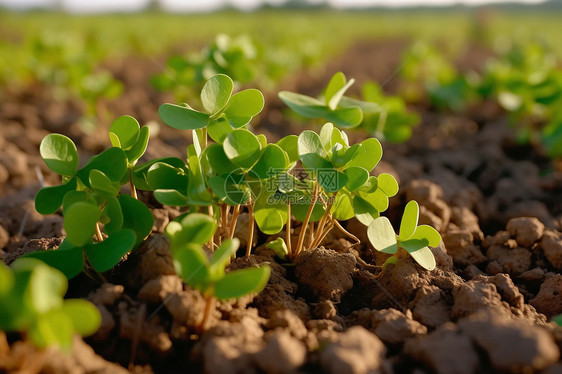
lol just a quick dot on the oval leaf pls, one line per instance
(85, 317)
(242, 148)
(60, 154)
(387, 184)
(409, 220)
(80, 222)
(382, 236)
(105, 255)
(242, 282)
(243, 106)
(425, 258)
(182, 118)
(124, 132)
(216, 92)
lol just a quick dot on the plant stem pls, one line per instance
(211, 243)
(306, 220)
(288, 230)
(251, 221)
(209, 305)
(320, 234)
(339, 226)
(235, 213)
(98, 232)
(133, 188)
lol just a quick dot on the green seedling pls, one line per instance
(412, 238)
(31, 296)
(91, 202)
(337, 187)
(334, 107)
(235, 57)
(205, 274)
(386, 117)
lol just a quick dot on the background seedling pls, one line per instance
(412, 238)
(208, 274)
(31, 295)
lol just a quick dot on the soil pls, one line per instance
(485, 309)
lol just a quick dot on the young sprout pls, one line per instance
(31, 295)
(332, 108)
(412, 238)
(205, 274)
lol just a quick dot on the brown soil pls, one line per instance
(484, 309)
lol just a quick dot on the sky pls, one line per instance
(209, 5)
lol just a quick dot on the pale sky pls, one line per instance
(208, 5)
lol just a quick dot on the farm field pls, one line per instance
(281, 192)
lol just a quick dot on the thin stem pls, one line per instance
(98, 232)
(339, 226)
(235, 214)
(209, 306)
(320, 235)
(133, 188)
(251, 221)
(306, 220)
(323, 234)
(288, 229)
(211, 243)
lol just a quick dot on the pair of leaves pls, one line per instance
(126, 133)
(31, 295)
(413, 238)
(208, 275)
(221, 109)
(331, 109)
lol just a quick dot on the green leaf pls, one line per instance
(60, 154)
(46, 288)
(193, 228)
(243, 106)
(364, 210)
(164, 176)
(242, 282)
(69, 261)
(273, 160)
(112, 162)
(342, 157)
(182, 118)
(102, 184)
(428, 233)
(73, 197)
(221, 257)
(192, 265)
(279, 247)
(336, 84)
(382, 236)
(52, 328)
(270, 219)
(387, 184)
(197, 192)
(218, 129)
(114, 215)
(216, 92)
(217, 160)
(356, 178)
(290, 145)
(425, 258)
(306, 106)
(85, 317)
(6, 280)
(342, 209)
(105, 255)
(301, 202)
(136, 217)
(345, 117)
(138, 149)
(49, 199)
(331, 180)
(124, 132)
(311, 151)
(230, 188)
(409, 220)
(242, 148)
(368, 155)
(140, 171)
(80, 222)
(171, 198)
(337, 90)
